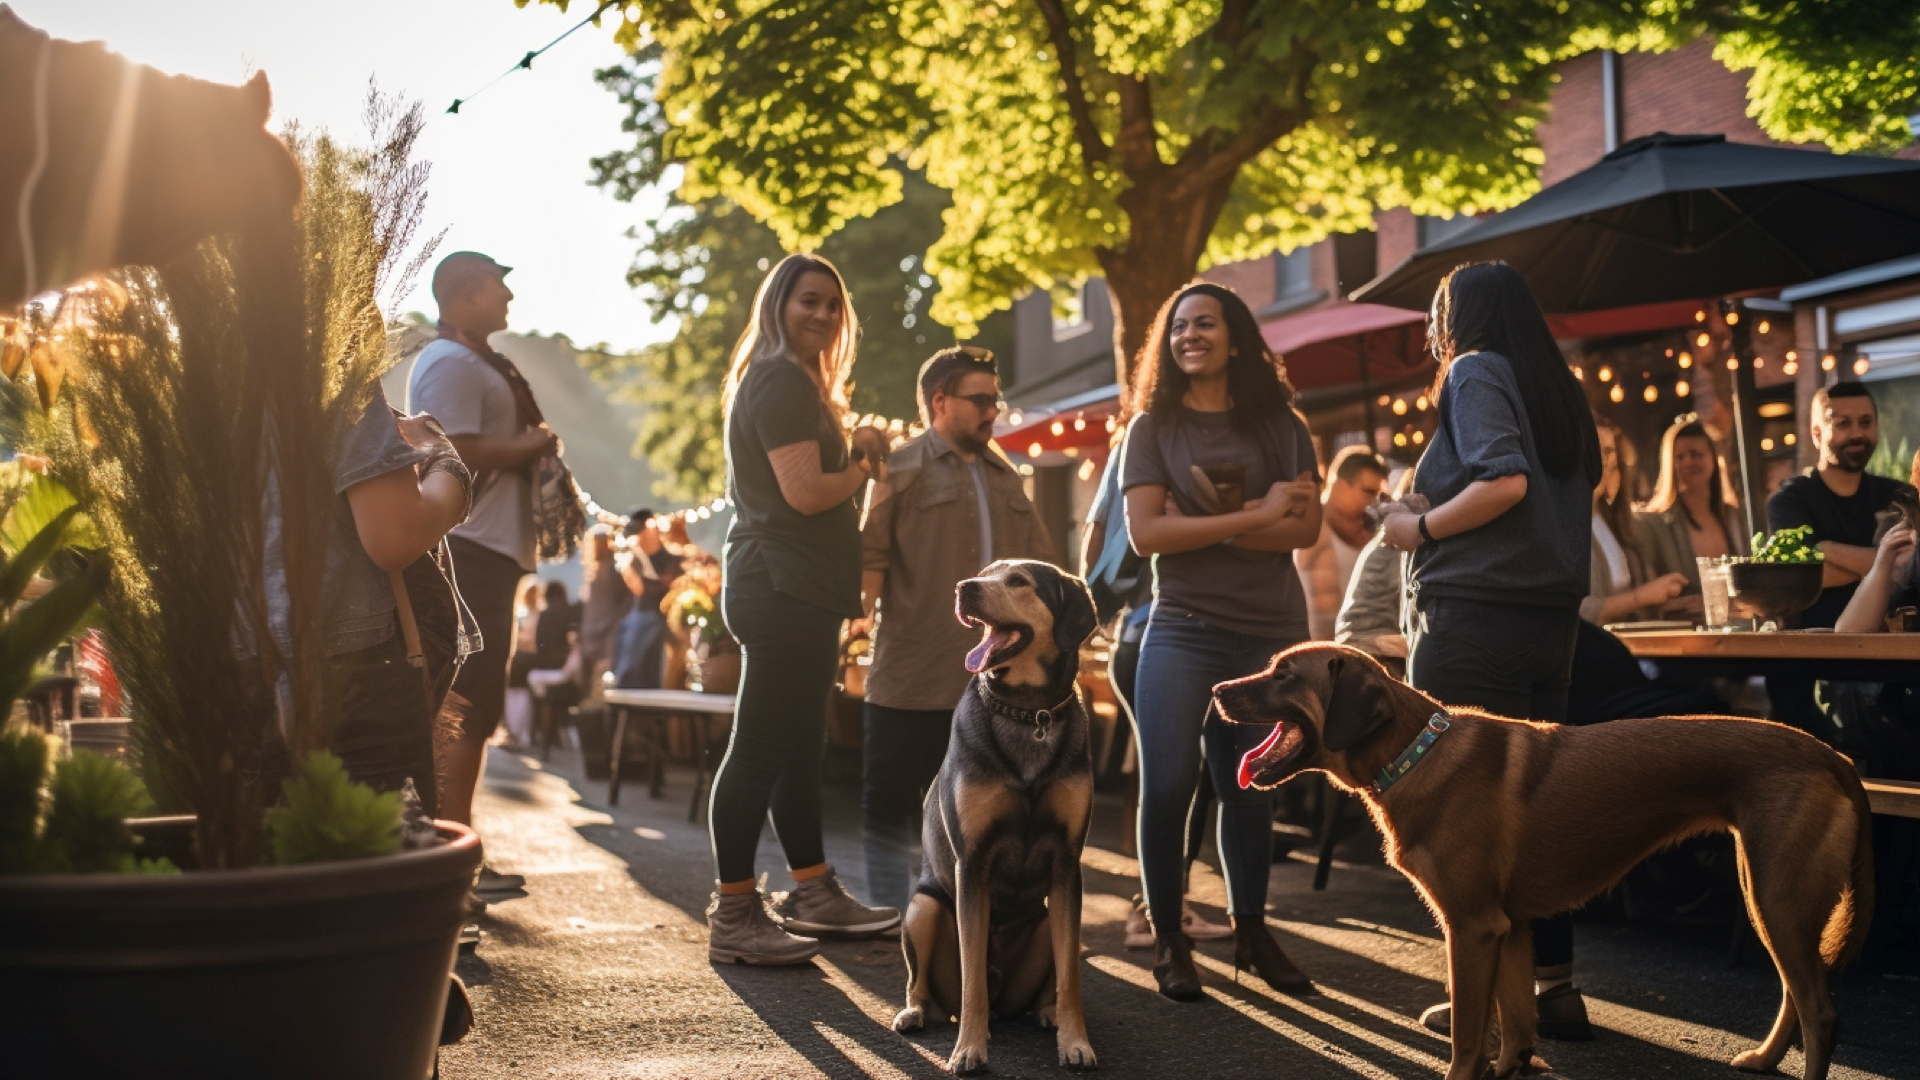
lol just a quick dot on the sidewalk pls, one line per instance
(601, 972)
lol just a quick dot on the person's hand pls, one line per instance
(869, 451)
(541, 442)
(1172, 509)
(1660, 590)
(1402, 530)
(861, 627)
(1895, 554)
(1693, 606)
(1287, 499)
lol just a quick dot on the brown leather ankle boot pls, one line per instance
(1255, 950)
(1173, 967)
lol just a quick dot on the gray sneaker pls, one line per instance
(821, 905)
(739, 932)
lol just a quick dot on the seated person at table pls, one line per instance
(1620, 588)
(1369, 616)
(1878, 726)
(1839, 499)
(1693, 513)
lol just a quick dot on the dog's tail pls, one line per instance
(1846, 929)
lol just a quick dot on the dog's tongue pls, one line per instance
(1249, 760)
(990, 640)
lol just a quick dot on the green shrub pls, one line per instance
(328, 817)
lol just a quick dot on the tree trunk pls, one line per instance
(1165, 239)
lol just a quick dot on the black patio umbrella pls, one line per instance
(1679, 217)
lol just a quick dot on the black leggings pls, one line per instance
(790, 653)
(1513, 660)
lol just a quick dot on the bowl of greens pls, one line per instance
(1782, 578)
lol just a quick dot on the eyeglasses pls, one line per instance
(983, 402)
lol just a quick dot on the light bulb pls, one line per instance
(1033, 450)
(1860, 366)
(1605, 374)
(1385, 399)
(1733, 317)
(1759, 362)
(1399, 438)
(1700, 316)
(1766, 444)
(1058, 428)
(1079, 423)
(1702, 339)
(1399, 406)
(1790, 368)
(1764, 326)
(1733, 363)
(1086, 470)
(1579, 372)
(1789, 438)
(1827, 362)
(1419, 437)
(1651, 393)
(1681, 389)
(1686, 360)
(1617, 394)
(1420, 403)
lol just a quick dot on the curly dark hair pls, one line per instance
(1256, 382)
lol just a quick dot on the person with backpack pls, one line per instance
(1222, 485)
(1500, 563)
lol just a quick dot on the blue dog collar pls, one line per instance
(1402, 765)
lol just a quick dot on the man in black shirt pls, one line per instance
(1837, 497)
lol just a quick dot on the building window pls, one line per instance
(1293, 280)
(1070, 313)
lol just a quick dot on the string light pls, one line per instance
(1086, 471)
(1733, 317)
(1057, 428)
(1080, 422)
(1399, 406)
(1616, 393)
(1733, 363)
(1702, 340)
(1113, 424)
(1419, 437)
(1860, 366)
(1759, 362)
(526, 62)
(1764, 326)
(1579, 373)
(1399, 438)
(1789, 438)
(1651, 393)
(1385, 399)
(1700, 315)
(1766, 444)
(1034, 449)
(1827, 362)
(1682, 388)
(1605, 374)
(1420, 403)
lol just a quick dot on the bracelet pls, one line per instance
(1228, 542)
(1424, 534)
(451, 464)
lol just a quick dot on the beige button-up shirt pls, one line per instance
(923, 529)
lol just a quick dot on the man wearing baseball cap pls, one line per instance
(476, 394)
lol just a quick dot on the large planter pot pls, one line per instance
(331, 970)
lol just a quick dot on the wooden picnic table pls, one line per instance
(659, 706)
(1801, 653)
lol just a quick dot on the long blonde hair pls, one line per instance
(766, 334)
(1666, 489)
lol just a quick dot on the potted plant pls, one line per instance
(178, 402)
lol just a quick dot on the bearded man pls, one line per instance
(951, 504)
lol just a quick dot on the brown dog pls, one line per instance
(1499, 822)
(994, 925)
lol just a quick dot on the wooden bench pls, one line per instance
(1895, 798)
(659, 706)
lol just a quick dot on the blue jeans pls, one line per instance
(1181, 660)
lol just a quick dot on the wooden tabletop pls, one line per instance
(674, 700)
(1773, 645)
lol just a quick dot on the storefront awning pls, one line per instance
(1084, 421)
(1348, 344)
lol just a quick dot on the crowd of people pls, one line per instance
(1483, 576)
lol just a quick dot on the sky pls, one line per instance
(509, 172)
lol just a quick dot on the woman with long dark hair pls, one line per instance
(1221, 486)
(1622, 585)
(1693, 512)
(792, 577)
(1500, 562)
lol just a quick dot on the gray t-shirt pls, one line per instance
(470, 398)
(357, 592)
(1248, 592)
(986, 514)
(1537, 552)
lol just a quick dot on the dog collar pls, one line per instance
(1041, 719)
(1402, 765)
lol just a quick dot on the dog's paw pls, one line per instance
(1752, 1061)
(1045, 1015)
(910, 1019)
(968, 1056)
(1075, 1053)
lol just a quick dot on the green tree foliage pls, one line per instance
(701, 261)
(86, 800)
(1144, 139)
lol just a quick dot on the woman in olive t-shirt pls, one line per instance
(792, 576)
(1225, 600)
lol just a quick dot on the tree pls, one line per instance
(700, 263)
(1144, 139)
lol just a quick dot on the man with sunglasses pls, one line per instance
(951, 504)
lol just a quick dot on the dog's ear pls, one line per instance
(1072, 606)
(1357, 704)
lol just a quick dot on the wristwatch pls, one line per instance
(1424, 534)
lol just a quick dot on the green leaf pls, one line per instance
(29, 557)
(36, 628)
(329, 817)
(40, 503)
(24, 753)
(91, 798)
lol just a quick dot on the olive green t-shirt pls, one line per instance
(810, 557)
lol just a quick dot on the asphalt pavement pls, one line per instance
(601, 970)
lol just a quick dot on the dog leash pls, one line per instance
(1402, 765)
(1041, 719)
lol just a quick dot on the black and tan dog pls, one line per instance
(994, 926)
(1499, 822)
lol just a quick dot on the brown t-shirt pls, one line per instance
(1248, 592)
